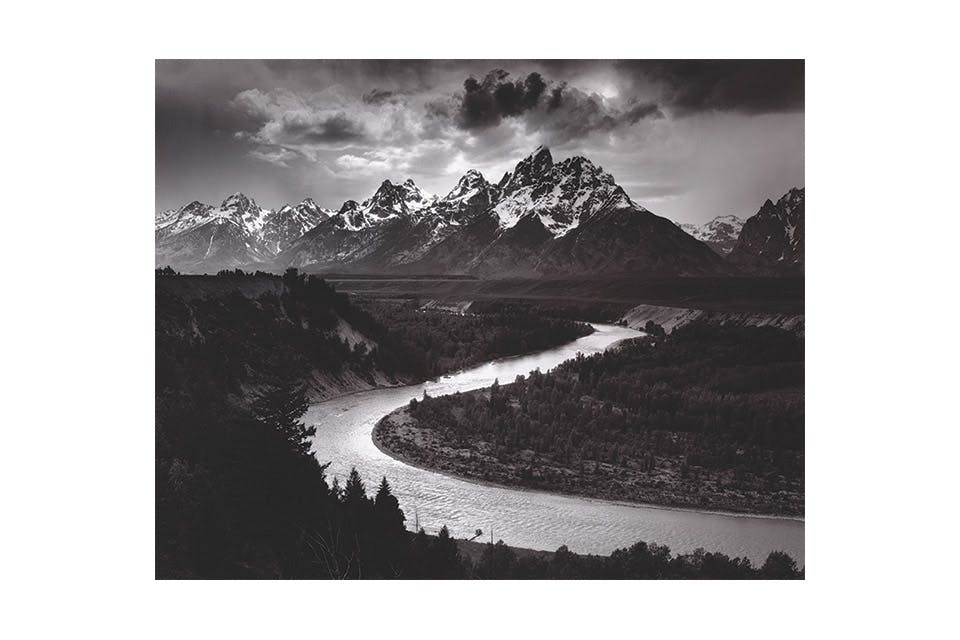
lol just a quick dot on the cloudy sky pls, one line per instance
(689, 140)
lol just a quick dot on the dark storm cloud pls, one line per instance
(561, 111)
(746, 86)
(571, 113)
(556, 97)
(486, 102)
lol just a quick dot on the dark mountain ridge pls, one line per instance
(771, 241)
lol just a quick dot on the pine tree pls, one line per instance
(354, 493)
(387, 507)
(445, 561)
(281, 409)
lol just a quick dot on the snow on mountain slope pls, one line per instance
(388, 203)
(561, 194)
(720, 234)
(288, 223)
(200, 237)
(394, 227)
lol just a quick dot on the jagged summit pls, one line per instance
(237, 201)
(348, 205)
(529, 170)
(772, 239)
(471, 181)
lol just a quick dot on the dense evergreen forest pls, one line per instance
(707, 417)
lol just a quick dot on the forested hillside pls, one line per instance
(303, 330)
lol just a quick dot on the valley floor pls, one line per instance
(733, 294)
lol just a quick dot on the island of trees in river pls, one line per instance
(238, 493)
(708, 417)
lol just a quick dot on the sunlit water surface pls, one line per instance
(520, 518)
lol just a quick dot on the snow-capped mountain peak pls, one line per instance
(414, 197)
(388, 202)
(471, 183)
(236, 200)
(560, 194)
(720, 234)
(290, 222)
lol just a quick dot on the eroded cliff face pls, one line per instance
(672, 317)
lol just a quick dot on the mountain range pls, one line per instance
(202, 238)
(543, 218)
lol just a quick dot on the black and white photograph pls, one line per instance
(480, 319)
(482, 322)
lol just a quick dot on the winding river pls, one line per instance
(521, 518)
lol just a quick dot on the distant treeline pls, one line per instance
(592, 311)
(641, 561)
(440, 341)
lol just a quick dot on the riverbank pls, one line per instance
(399, 436)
